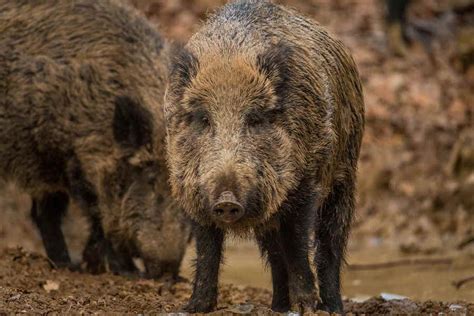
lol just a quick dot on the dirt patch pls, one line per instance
(29, 284)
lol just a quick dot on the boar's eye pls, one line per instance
(255, 119)
(261, 118)
(199, 118)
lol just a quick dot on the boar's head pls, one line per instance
(233, 151)
(138, 213)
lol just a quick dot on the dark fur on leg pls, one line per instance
(331, 239)
(83, 192)
(119, 262)
(296, 231)
(271, 247)
(47, 213)
(209, 242)
(100, 256)
(94, 250)
(288, 251)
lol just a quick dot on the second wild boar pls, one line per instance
(81, 119)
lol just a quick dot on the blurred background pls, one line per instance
(414, 230)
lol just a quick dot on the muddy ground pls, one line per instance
(30, 285)
(416, 179)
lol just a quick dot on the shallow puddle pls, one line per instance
(243, 266)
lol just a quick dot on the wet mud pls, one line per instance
(28, 284)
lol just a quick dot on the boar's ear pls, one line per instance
(274, 63)
(132, 123)
(184, 67)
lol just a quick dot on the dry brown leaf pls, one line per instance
(51, 286)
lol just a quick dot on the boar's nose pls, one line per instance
(227, 209)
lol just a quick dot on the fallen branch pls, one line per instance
(465, 242)
(402, 262)
(459, 283)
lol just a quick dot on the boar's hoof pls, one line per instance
(305, 304)
(337, 308)
(280, 307)
(75, 267)
(199, 306)
(93, 258)
(304, 307)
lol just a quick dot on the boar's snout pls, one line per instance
(227, 210)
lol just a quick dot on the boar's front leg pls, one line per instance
(94, 251)
(271, 245)
(119, 261)
(47, 213)
(100, 255)
(334, 220)
(83, 192)
(209, 240)
(296, 229)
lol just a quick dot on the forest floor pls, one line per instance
(30, 285)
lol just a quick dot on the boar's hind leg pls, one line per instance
(209, 240)
(47, 213)
(334, 222)
(270, 245)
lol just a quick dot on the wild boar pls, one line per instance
(265, 115)
(81, 119)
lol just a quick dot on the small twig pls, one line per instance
(402, 262)
(51, 262)
(465, 242)
(459, 283)
(68, 309)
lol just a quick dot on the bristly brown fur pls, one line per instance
(270, 108)
(81, 115)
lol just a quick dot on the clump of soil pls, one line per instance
(29, 284)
